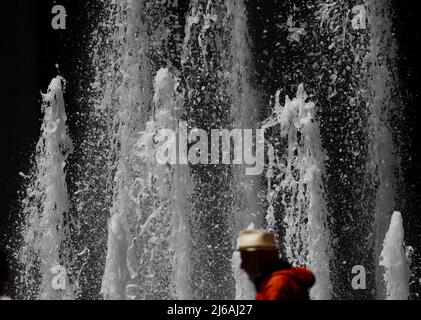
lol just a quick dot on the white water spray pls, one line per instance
(307, 237)
(395, 261)
(150, 244)
(46, 204)
(245, 99)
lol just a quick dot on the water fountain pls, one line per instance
(171, 228)
(47, 233)
(394, 258)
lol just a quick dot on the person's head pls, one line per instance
(258, 252)
(4, 271)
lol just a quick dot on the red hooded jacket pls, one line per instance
(287, 284)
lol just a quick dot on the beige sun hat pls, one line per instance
(255, 239)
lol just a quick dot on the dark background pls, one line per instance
(30, 48)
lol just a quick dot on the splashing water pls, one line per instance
(49, 227)
(169, 231)
(307, 235)
(395, 261)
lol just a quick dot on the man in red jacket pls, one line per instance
(274, 278)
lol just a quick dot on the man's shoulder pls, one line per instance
(298, 274)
